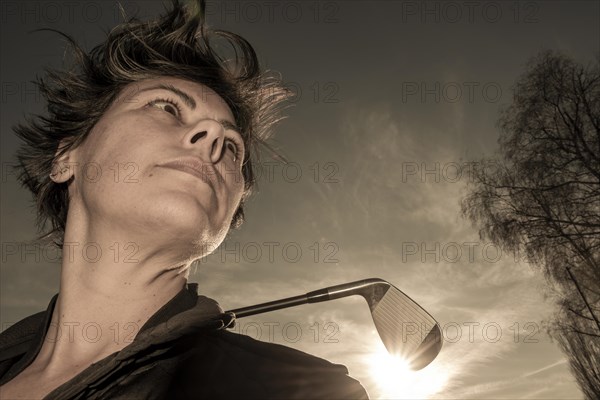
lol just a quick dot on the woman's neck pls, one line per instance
(110, 285)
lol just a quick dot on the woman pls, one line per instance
(142, 167)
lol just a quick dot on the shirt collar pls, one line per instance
(185, 308)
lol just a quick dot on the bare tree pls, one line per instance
(573, 331)
(540, 197)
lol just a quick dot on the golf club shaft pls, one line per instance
(329, 293)
(270, 306)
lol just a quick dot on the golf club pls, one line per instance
(405, 328)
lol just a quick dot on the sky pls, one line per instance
(395, 101)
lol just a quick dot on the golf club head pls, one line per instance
(406, 329)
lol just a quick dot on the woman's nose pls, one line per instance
(208, 137)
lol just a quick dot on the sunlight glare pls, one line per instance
(396, 380)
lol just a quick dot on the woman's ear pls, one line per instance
(63, 166)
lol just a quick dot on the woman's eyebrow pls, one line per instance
(190, 102)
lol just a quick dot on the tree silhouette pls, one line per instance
(540, 197)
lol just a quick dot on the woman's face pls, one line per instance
(164, 159)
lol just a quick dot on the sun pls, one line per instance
(396, 380)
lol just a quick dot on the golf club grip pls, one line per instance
(270, 306)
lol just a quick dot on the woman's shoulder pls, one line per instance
(17, 340)
(22, 331)
(244, 346)
(239, 366)
(18, 337)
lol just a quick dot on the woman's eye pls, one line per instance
(166, 106)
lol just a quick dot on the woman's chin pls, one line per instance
(186, 219)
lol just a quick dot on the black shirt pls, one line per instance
(185, 352)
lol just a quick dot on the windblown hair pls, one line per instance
(177, 44)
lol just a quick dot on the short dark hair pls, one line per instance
(177, 44)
